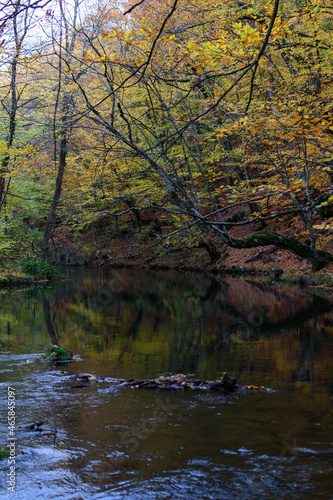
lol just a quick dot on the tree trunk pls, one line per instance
(13, 105)
(2, 186)
(57, 192)
(131, 205)
(213, 252)
(318, 258)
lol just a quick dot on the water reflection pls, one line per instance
(118, 443)
(159, 322)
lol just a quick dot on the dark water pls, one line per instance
(120, 443)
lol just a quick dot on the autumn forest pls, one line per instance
(166, 131)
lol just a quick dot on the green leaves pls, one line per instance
(38, 268)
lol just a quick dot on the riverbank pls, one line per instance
(157, 245)
(278, 267)
(14, 279)
(270, 261)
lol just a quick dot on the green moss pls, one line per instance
(57, 353)
(4, 454)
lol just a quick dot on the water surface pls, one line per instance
(118, 443)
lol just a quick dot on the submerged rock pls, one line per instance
(34, 426)
(87, 377)
(38, 427)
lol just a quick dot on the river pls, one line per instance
(104, 441)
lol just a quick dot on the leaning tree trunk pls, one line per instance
(318, 258)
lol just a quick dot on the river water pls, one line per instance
(104, 441)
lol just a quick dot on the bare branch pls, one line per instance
(133, 7)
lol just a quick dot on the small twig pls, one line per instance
(133, 7)
(125, 120)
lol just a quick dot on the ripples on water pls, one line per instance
(120, 443)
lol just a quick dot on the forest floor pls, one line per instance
(143, 248)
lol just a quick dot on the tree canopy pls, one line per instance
(214, 116)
